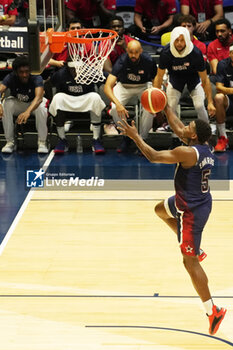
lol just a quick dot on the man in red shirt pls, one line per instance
(8, 12)
(154, 17)
(218, 49)
(206, 13)
(92, 13)
(59, 59)
(189, 22)
(117, 24)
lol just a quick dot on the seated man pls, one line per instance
(218, 49)
(117, 24)
(224, 98)
(189, 22)
(26, 98)
(130, 77)
(59, 59)
(206, 13)
(153, 17)
(8, 12)
(74, 97)
(92, 13)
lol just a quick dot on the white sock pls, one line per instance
(222, 129)
(61, 132)
(96, 131)
(208, 305)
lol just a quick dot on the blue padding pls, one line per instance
(121, 3)
(149, 43)
(227, 3)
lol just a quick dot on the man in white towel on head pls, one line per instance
(186, 66)
(74, 97)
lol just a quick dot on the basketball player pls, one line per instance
(26, 98)
(187, 212)
(73, 97)
(130, 77)
(186, 66)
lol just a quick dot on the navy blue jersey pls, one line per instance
(23, 92)
(182, 70)
(140, 72)
(192, 188)
(225, 72)
(64, 82)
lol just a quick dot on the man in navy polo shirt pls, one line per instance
(26, 98)
(186, 66)
(130, 77)
(224, 98)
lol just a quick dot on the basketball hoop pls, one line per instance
(88, 50)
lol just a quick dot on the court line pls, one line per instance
(109, 199)
(165, 329)
(23, 208)
(156, 295)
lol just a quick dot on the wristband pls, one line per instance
(3, 17)
(211, 22)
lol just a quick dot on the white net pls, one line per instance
(89, 57)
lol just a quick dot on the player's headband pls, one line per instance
(231, 48)
(71, 64)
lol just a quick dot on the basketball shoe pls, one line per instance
(61, 147)
(9, 147)
(216, 318)
(97, 147)
(222, 144)
(42, 147)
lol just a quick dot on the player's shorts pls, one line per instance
(190, 224)
(229, 110)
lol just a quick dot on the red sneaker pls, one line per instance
(222, 144)
(202, 255)
(216, 318)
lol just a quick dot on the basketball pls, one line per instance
(153, 100)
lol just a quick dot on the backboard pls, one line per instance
(43, 14)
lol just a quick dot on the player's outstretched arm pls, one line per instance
(184, 155)
(175, 123)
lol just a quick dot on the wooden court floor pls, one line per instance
(97, 270)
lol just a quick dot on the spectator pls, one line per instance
(93, 13)
(218, 49)
(206, 13)
(8, 12)
(74, 97)
(153, 17)
(130, 76)
(117, 24)
(26, 98)
(224, 98)
(189, 22)
(59, 59)
(186, 66)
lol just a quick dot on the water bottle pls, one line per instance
(79, 145)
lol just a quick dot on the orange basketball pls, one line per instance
(153, 100)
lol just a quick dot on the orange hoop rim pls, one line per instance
(71, 35)
(58, 39)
